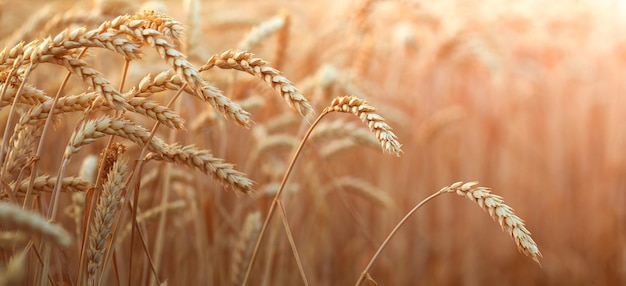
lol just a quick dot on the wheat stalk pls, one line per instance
(489, 202)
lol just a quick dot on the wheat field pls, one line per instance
(312, 143)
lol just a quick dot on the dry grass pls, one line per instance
(523, 97)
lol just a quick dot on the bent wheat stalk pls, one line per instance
(489, 202)
(347, 104)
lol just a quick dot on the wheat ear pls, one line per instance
(246, 62)
(499, 211)
(15, 217)
(203, 160)
(375, 122)
(106, 211)
(349, 104)
(493, 204)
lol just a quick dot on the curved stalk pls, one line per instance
(277, 197)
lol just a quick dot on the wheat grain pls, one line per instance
(375, 122)
(246, 62)
(499, 211)
(13, 216)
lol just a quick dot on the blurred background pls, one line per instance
(526, 97)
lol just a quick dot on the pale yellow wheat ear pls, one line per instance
(499, 211)
(106, 210)
(375, 122)
(245, 61)
(489, 202)
(15, 217)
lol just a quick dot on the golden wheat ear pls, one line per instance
(499, 211)
(376, 123)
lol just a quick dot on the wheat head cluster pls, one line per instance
(133, 155)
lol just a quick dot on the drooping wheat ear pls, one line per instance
(362, 188)
(246, 62)
(91, 130)
(375, 122)
(66, 43)
(15, 272)
(203, 160)
(143, 30)
(106, 210)
(260, 32)
(161, 22)
(13, 216)
(94, 79)
(244, 246)
(46, 183)
(72, 103)
(498, 210)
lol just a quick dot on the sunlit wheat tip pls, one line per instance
(375, 122)
(499, 211)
